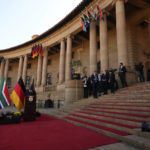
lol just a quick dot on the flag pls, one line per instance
(89, 14)
(85, 17)
(34, 51)
(82, 23)
(18, 94)
(94, 13)
(41, 50)
(86, 20)
(100, 12)
(0, 105)
(4, 94)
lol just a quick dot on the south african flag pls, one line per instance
(4, 94)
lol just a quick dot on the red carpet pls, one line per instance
(47, 133)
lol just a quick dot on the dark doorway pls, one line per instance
(148, 75)
(99, 67)
(147, 71)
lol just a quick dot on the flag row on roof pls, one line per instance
(36, 50)
(90, 15)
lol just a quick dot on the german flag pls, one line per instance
(18, 94)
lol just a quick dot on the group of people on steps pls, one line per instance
(96, 84)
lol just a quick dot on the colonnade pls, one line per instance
(66, 51)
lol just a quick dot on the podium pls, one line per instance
(30, 105)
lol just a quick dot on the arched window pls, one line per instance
(28, 79)
(99, 67)
(48, 79)
(9, 83)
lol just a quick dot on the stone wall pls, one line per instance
(53, 68)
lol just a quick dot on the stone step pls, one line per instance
(104, 111)
(116, 146)
(130, 91)
(116, 115)
(133, 92)
(128, 96)
(116, 126)
(122, 112)
(116, 102)
(125, 96)
(133, 124)
(132, 97)
(143, 114)
(134, 88)
(131, 141)
(125, 106)
(128, 122)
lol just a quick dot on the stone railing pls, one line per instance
(50, 88)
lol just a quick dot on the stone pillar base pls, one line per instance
(131, 78)
(73, 91)
(39, 89)
(61, 92)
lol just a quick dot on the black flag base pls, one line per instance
(9, 118)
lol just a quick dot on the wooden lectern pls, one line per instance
(30, 105)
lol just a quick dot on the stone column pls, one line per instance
(24, 73)
(39, 71)
(68, 58)
(2, 68)
(93, 48)
(20, 67)
(6, 69)
(121, 32)
(44, 68)
(62, 62)
(104, 44)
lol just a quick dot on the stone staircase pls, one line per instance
(116, 115)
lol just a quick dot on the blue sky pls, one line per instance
(20, 19)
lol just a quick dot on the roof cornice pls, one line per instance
(80, 7)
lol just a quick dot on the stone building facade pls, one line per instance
(123, 36)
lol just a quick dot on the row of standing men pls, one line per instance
(100, 83)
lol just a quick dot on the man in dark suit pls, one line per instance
(111, 81)
(94, 82)
(105, 78)
(122, 75)
(141, 72)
